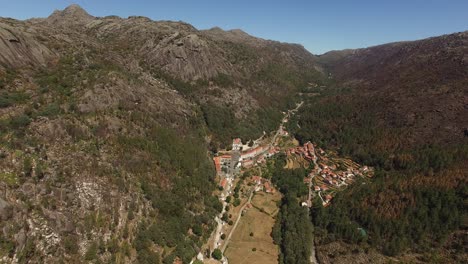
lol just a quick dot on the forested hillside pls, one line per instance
(292, 231)
(411, 129)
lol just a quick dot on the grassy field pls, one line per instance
(267, 202)
(242, 244)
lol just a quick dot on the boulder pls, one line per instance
(6, 210)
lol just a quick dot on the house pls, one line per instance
(236, 144)
(224, 159)
(268, 188)
(316, 188)
(223, 183)
(271, 152)
(217, 162)
(261, 159)
(252, 153)
(247, 163)
(257, 179)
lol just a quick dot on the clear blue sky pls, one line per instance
(318, 25)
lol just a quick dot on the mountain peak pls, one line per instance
(74, 9)
(74, 13)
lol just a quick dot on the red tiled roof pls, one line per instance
(256, 178)
(223, 182)
(217, 163)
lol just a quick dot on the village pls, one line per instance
(330, 173)
(245, 191)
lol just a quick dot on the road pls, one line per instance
(313, 257)
(287, 116)
(230, 174)
(237, 220)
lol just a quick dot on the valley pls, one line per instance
(132, 140)
(248, 167)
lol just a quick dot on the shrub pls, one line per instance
(20, 121)
(236, 202)
(217, 254)
(91, 253)
(197, 230)
(70, 245)
(27, 166)
(10, 98)
(50, 110)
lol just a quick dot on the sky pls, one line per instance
(320, 26)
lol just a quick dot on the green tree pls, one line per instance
(217, 254)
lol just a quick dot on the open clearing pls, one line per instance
(260, 224)
(267, 202)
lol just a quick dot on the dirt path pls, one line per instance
(237, 220)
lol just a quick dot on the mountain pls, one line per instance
(105, 127)
(401, 108)
(419, 84)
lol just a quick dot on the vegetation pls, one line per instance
(224, 125)
(292, 230)
(415, 198)
(11, 98)
(217, 254)
(187, 160)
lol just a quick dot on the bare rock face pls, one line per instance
(19, 48)
(187, 55)
(5, 210)
(235, 35)
(73, 14)
(94, 102)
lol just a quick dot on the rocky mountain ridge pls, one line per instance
(105, 124)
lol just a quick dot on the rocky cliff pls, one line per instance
(105, 123)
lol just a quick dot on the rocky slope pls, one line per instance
(105, 124)
(104, 131)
